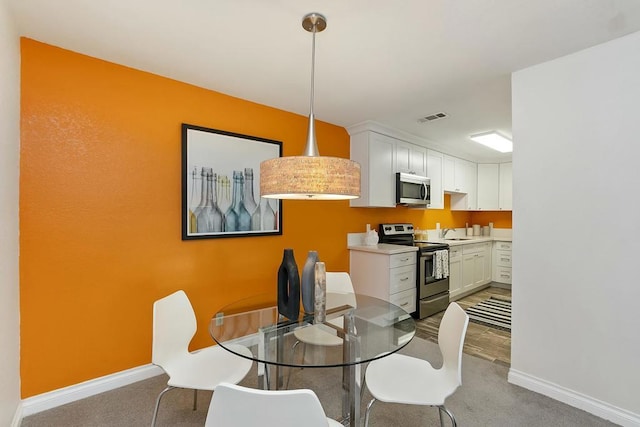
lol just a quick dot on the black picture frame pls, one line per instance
(224, 161)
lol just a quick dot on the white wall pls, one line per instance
(576, 176)
(9, 166)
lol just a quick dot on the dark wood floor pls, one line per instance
(481, 341)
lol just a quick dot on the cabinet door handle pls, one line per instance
(404, 279)
(402, 305)
(405, 259)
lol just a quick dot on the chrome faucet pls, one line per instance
(446, 230)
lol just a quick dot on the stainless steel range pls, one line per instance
(432, 283)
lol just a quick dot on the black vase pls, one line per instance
(288, 286)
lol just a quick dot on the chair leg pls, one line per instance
(293, 353)
(442, 409)
(293, 350)
(364, 383)
(155, 411)
(195, 399)
(366, 414)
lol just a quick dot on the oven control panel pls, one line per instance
(395, 229)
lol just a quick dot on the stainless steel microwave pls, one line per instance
(412, 189)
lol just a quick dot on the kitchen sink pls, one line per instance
(458, 238)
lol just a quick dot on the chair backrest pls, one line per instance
(451, 333)
(237, 406)
(174, 325)
(340, 283)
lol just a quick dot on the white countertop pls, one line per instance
(383, 248)
(466, 241)
(355, 240)
(389, 249)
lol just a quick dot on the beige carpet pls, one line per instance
(484, 399)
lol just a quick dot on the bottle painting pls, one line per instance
(237, 217)
(194, 201)
(268, 217)
(209, 218)
(248, 199)
(203, 197)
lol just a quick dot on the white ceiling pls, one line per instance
(392, 62)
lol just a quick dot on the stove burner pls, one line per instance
(402, 234)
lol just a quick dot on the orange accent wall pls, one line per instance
(100, 203)
(500, 219)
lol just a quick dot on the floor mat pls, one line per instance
(493, 312)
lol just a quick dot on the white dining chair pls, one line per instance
(238, 406)
(398, 378)
(339, 292)
(174, 325)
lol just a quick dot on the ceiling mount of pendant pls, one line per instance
(314, 22)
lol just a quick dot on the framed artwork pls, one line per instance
(221, 185)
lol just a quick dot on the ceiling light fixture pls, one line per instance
(494, 140)
(310, 176)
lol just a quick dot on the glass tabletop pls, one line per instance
(371, 327)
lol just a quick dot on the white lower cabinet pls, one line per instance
(388, 277)
(502, 262)
(473, 262)
(455, 272)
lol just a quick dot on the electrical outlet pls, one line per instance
(219, 317)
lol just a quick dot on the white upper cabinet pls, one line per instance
(471, 186)
(381, 156)
(448, 173)
(488, 181)
(506, 186)
(411, 158)
(464, 191)
(376, 154)
(459, 175)
(434, 172)
(494, 187)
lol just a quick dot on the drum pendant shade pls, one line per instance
(310, 176)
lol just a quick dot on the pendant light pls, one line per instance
(310, 176)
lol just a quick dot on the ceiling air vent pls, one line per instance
(433, 117)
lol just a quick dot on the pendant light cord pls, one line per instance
(313, 65)
(311, 148)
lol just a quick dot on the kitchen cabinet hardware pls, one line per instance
(389, 277)
(503, 261)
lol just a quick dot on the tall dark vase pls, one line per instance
(309, 282)
(288, 286)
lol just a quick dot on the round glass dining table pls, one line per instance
(366, 328)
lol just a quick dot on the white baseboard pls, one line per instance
(17, 417)
(62, 396)
(51, 399)
(578, 400)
